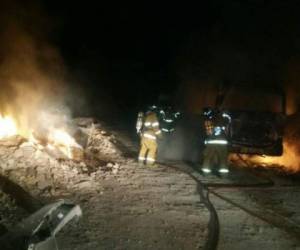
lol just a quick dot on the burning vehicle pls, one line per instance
(257, 119)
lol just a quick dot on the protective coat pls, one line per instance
(149, 135)
(216, 142)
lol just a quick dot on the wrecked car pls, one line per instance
(257, 119)
(39, 230)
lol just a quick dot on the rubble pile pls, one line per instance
(48, 172)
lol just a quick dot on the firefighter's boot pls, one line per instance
(208, 159)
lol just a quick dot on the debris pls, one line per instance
(44, 185)
(110, 165)
(83, 185)
(77, 153)
(116, 166)
(13, 141)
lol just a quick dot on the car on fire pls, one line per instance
(257, 119)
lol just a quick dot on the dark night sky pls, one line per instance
(127, 48)
(135, 52)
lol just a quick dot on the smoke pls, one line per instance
(185, 143)
(32, 75)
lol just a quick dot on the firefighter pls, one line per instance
(168, 118)
(216, 127)
(149, 134)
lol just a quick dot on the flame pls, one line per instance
(7, 127)
(61, 137)
(44, 135)
(65, 143)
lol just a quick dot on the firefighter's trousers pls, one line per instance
(215, 154)
(148, 151)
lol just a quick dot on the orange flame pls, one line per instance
(54, 138)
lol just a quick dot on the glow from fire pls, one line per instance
(288, 161)
(7, 127)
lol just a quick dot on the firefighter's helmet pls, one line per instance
(152, 108)
(208, 112)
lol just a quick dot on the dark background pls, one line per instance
(127, 51)
(123, 56)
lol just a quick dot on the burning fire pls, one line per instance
(58, 139)
(67, 145)
(61, 137)
(7, 127)
(55, 139)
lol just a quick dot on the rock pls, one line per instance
(42, 185)
(82, 164)
(31, 171)
(18, 153)
(11, 162)
(109, 165)
(116, 166)
(30, 181)
(83, 185)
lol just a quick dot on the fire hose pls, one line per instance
(213, 224)
(274, 219)
(204, 192)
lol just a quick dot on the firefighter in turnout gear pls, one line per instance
(216, 127)
(168, 119)
(149, 134)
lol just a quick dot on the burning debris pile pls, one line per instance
(63, 162)
(41, 148)
(55, 140)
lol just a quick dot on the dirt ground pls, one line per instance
(127, 206)
(140, 208)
